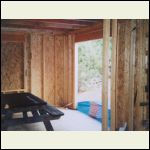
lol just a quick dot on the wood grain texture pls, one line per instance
(147, 63)
(106, 35)
(113, 75)
(66, 69)
(120, 77)
(28, 62)
(139, 79)
(36, 64)
(97, 34)
(145, 66)
(48, 58)
(132, 76)
(71, 69)
(127, 71)
(12, 37)
(12, 66)
(59, 70)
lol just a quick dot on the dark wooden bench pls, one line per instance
(24, 103)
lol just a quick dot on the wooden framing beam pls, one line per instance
(95, 27)
(131, 75)
(89, 36)
(12, 37)
(113, 75)
(13, 91)
(106, 36)
(139, 77)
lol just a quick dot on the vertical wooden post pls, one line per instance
(42, 68)
(106, 36)
(25, 65)
(73, 71)
(113, 74)
(71, 79)
(131, 74)
(139, 77)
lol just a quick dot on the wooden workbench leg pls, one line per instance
(3, 127)
(48, 125)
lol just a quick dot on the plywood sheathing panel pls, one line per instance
(48, 67)
(12, 66)
(59, 70)
(36, 64)
(48, 74)
(28, 62)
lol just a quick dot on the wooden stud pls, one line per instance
(120, 109)
(113, 74)
(131, 76)
(145, 63)
(48, 68)
(59, 70)
(139, 73)
(25, 65)
(71, 70)
(106, 35)
(126, 71)
(66, 69)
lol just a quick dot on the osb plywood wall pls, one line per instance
(47, 70)
(12, 65)
(52, 68)
(36, 64)
(132, 48)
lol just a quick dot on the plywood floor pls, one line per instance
(71, 121)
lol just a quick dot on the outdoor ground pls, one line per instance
(93, 94)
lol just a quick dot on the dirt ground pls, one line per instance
(93, 94)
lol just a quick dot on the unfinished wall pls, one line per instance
(48, 69)
(131, 76)
(43, 65)
(141, 104)
(36, 64)
(12, 63)
(52, 68)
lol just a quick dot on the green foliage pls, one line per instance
(90, 60)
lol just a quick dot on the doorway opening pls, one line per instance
(88, 78)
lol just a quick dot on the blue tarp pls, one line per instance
(84, 107)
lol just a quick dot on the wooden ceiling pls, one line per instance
(49, 24)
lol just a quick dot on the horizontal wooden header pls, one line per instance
(89, 33)
(89, 36)
(12, 37)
